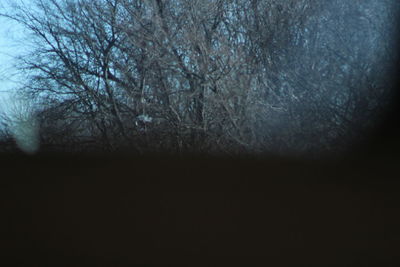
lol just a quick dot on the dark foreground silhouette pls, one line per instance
(111, 210)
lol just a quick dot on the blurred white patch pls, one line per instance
(21, 122)
(144, 118)
(26, 134)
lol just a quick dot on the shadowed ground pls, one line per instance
(201, 211)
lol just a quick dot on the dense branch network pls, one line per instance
(214, 75)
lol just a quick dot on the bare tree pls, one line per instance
(232, 76)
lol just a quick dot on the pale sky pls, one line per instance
(6, 52)
(10, 46)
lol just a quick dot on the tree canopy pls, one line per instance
(208, 75)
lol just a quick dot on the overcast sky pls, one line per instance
(6, 52)
(10, 46)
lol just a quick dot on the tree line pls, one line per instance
(227, 76)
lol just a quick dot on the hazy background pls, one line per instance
(302, 75)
